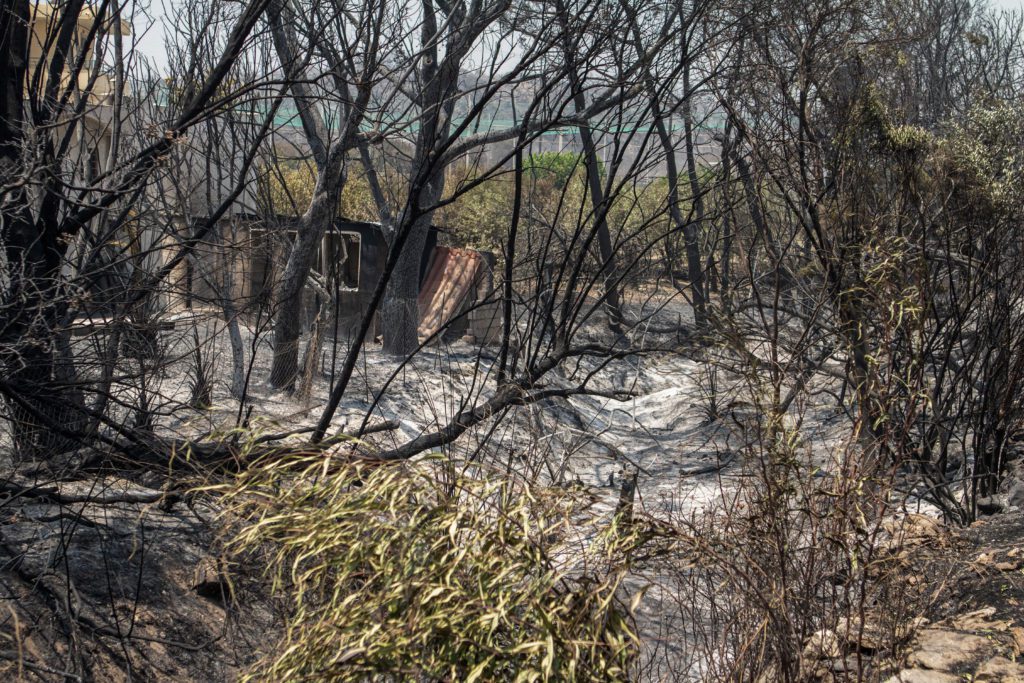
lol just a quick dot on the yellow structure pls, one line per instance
(85, 74)
(45, 25)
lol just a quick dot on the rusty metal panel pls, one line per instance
(450, 280)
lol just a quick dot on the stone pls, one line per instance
(210, 581)
(876, 634)
(991, 505)
(1015, 496)
(823, 644)
(923, 676)
(945, 650)
(999, 670)
(847, 665)
(980, 620)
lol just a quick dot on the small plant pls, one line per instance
(200, 375)
(710, 392)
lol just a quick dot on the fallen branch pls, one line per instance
(226, 454)
(31, 665)
(52, 493)
(510, 395)
(717, 467)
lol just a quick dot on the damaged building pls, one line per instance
(243, 264)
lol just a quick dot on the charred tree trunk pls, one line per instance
(728, 236)
(399, 313)
(331, 177)
(227, 306)
(288, 302)
(317, 217)
(609, 270)
(304, 392)
(691, 237)
(39, 387)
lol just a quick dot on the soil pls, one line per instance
(123, 591)
(973, 628)
(990, 570)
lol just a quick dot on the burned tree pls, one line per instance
(65, 200)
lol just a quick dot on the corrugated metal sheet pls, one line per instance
(450, 279)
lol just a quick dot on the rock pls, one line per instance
(823, 644)
(873, 636)
(210, 580)
(1015, 495)
(1018, 638)
(979, 620)
(945, 650)
(923, 676)
(847, 665)
(876, 634)
(991, 505)
(1000, 670)
(911, 531)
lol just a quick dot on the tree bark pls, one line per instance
(323, 207)
(31, 341)
(399, 314)
(695, 264)
(608, 268)
(288, 301)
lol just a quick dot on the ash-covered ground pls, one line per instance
(684, 430)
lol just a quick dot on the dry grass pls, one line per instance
(413, 572)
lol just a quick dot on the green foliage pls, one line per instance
(289, 189)
(873, 122)
(908, 140)
(982, 156)
(556, 167)
(398, 573)
(480, 217)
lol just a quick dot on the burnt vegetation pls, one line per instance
(507, 340)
